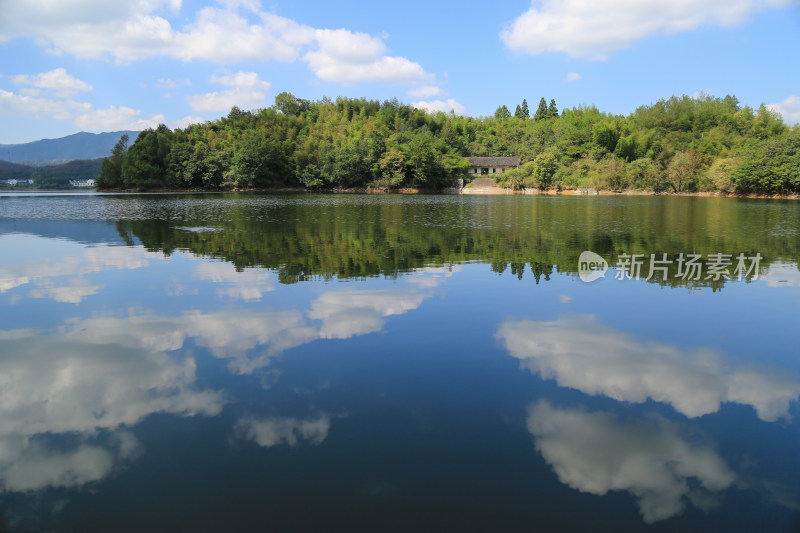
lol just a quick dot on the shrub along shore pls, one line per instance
(680, 145)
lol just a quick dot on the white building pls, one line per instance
(82, 183)
(486, 166)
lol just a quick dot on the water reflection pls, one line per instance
(596, 453)
(268, 432)
(90, 388)
(248, 284)
(56, 269)
(581, 353)
(357, 237)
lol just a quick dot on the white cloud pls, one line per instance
(225, 36)
(169, 83)
(247, 92)
(82, 114)
(348, 57)
(186, 121)
(273, 431)
(116, 118)
(580, 353)
(595, 453)
(57, 80)
(593, 29)
(235, 31)
(789, 109)
(573, 76)
(426, 91)
(18, 104)
(436, 106)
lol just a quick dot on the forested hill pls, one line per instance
(678, 144)
(51, 176)
(78, 146)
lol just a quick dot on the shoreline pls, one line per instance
(467, 191)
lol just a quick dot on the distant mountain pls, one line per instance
(78, 146)
(50, 177)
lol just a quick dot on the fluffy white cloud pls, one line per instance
(436, 106)
(426, 91)
(82, 114)
(595, 453)
(116, 118)
(225, 36)
(232, 32)
(580, 353)
(273, 431)
(593, 29)
(789, 109)
(348, 57)
(19, 104)
(573, 76)
(58, 80)
(247, 92)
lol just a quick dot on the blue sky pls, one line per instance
(94, 65)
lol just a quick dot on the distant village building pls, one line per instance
(82, 183)
(486, 166)
(13, 183)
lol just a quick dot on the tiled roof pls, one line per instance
(512, 161)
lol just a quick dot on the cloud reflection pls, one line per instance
(358, 312)
(249, 284)
(273, 431)
(580, 353)
(596, 453)
(52, 385)
(56, 268)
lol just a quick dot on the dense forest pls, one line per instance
(51, 176)
(679, 144)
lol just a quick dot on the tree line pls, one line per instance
(676, 144)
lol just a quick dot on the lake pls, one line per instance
(240, 362)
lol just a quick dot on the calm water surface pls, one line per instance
(397, 363)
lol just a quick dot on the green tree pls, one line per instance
(544, 168)
(111, 169)
(142, 166)
(552, 110)
(605, 135)
(502, 112)
(541, 111)
(682, 172)
(257, 163)
(288, 104)
(392, 166)
(525, 111)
